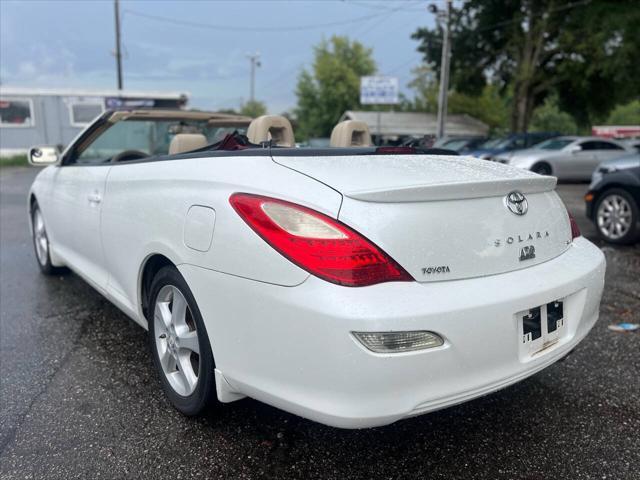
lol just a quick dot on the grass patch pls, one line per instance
(14, 161)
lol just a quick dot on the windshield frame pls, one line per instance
(93, 133)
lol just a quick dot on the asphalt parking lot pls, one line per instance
(79, 397)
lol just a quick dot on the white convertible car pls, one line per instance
(351, 285)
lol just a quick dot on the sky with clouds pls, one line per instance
(199, 47)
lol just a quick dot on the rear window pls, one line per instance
(609, 146)
(600, 145)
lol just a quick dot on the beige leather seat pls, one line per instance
(271, 127)
(350, 133)
(186, 142)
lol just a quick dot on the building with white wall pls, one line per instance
(33, 116)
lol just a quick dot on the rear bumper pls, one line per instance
(292, 347)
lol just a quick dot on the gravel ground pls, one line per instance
(79, 397)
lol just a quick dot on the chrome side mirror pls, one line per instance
(44, 155)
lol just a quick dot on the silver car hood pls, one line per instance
(620, 163)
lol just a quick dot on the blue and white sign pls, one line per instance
(378, 90)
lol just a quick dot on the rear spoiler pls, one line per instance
(455, 191)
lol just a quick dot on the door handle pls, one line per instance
(94, 198)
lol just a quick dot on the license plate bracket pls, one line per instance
(541, 327)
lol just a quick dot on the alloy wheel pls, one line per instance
(542, 169)
(40, 237)
(614, 217)
(177, 340)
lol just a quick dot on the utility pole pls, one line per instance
(445, 16)
(255, 62)
(116, 5)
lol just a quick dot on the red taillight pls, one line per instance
(317, 243)
(575, 230)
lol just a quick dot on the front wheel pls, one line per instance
(617, 217)
(180, 345)
(41, 243)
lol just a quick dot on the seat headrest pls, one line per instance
(350, 133)
(271, 127)
(186, 142)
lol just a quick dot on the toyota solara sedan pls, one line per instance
(351, 285)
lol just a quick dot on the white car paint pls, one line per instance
(429, 199)
(283, 336)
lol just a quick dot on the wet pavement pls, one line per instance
(79, 397)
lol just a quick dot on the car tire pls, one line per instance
(180, 345)
(542, 168)
(41, 245)
(619, 204)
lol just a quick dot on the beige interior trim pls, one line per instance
(187, 142)
(350, 133)
(271, 127)
(177, 115)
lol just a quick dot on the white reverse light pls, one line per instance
(299, 223)
(397, 342)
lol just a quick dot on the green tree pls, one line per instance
(253, 108)
(489, 106)
(549, 118)
(600, 69)
(586, 52)
(332, 86)
(628, 114)
(425, 90)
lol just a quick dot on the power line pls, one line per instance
(505, 23)
(240, 28)
(405, 63)
(388, 13)
(550, 12)
(300, 66)
(371, 6)
(363, 4)
(363, 29)
(282, 75)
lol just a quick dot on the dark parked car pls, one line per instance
(613, 199)
(633, 143)
(516, 141)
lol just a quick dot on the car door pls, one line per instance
(606, 151)
(77, 196)
(577, 163)
(85, 180)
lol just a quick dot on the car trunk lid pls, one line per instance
(445, 217)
